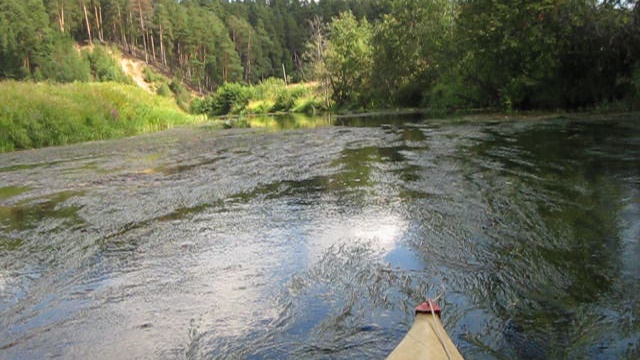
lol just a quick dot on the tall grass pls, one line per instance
(42, 114)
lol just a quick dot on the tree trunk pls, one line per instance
(123, 35)
(142, 30)
(162, 54)
(61, 18)
(153, 46)
(114, 31)
(224, 67)
(247, 73)
(299, 63)
(202, 81)
(179, 53)
(86, 19)
(284, 75)
(97, 11)
(131, 38)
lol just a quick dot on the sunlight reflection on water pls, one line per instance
(318, 243)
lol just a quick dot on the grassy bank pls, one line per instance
(41, 114)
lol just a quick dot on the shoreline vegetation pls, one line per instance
(34, 115)
(41, 114)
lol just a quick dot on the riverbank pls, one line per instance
(34, 115)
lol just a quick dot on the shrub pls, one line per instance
(269, 88)
(104, 67)
(150, 76)
(449, 93)
(308, 105)
(164, 90)
(284, 101)
(269, 96)
(259, 106)
(230, 98)
(64, 64)
(287, 97)
(183, 98)
(200, 106)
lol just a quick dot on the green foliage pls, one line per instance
(449, 93)
(182, 95)
(64, 64)
(104, 67)
(25, 38)
(229, 98)
(271, 95)
(164, 90)
(349, 60)
(260, 107)
(310, 105)
(36, 115)
(635, 98)
(150, 76)
(287, 97)
(269, 88)
(411, 46)
(544, 53)
(199, 106)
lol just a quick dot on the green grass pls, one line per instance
(35, 115)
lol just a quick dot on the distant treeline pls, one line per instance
(571, 54)
(364, 53)
(204, 42)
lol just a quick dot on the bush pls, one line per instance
(259, 106)
(230, 98)
(284, 101)
(164, 90)
(64, 64)
(287, 98)
(269, 88)
(449, 93)
(268, 96)
(309, 105)
(150, 76)
(104, 67)
(200, 106)
(183, 98)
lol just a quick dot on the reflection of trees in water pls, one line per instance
(555, 193)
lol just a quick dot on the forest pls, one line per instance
(363, 54)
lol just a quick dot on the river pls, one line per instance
(315, 238)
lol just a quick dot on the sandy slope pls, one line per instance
(133, 68)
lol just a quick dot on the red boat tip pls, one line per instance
(428, 307)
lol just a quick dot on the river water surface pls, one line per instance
(317, 242)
